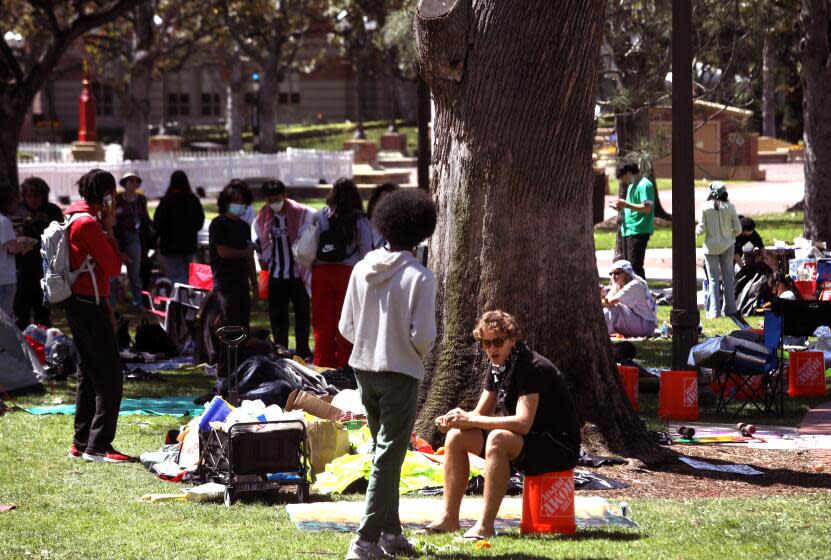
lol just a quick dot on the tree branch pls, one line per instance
(11, 61)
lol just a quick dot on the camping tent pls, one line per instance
(20, 370)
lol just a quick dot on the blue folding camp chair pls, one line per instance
(758, 383)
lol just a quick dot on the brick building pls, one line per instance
(196, 95)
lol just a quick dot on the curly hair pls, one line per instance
(496, 320)
(405, 218)
(36, 186)
(235, 187)
(346, 206)
(94, 185)
(375, 197)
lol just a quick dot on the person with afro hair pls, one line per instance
(389, 315)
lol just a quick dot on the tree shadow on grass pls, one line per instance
(507, 556)
(770, 477)
(622, 535)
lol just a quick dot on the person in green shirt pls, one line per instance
(638, 214)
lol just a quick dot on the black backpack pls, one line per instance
(332, 246)
(151, 337)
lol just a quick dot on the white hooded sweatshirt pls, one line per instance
(389, 313)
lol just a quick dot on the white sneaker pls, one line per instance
(396, 544)
(368, 551)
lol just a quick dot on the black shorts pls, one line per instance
(541, 453)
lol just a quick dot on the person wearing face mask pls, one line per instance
(232, 259)
(178, 220)
(276, 228)
(525, 421)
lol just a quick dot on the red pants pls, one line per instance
(329, 283)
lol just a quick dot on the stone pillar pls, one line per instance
(365, 150)
(394, 142)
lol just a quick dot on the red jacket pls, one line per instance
(87, 237)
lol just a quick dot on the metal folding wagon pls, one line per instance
(253, 456)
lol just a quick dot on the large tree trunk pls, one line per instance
(137, 110)
(514, 87)
(11, 115)
(266, 109)
(815, 48)
(233, 110)
(769, 89)
(137, 113)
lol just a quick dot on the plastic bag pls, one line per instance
(200, 276)
(305, 248)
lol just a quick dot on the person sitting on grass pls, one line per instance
(628, 305)
(389, 316)
(525, 421)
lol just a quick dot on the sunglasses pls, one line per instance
(496, 342)
(615, 273)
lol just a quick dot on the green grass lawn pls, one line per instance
(335, 141)
(70, 509)
(783, 226)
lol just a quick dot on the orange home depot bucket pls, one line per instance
(806, 375)
(262, 285)
(629, 379)
(678, 395)
(548, 503)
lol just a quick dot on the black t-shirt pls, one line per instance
(35, 223)
(754, 238)
(229, 274)
(526, 373)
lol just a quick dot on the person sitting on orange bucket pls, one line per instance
(525, 421)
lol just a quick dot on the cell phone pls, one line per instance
(108, 201)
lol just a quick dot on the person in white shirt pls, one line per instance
(10, 245)
(628, 305)
(277, 227)
(389, 315)
(720, 224)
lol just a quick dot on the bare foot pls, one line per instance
(478, 532)
(440, 527)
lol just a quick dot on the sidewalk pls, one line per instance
(784, 187)
(657, 264)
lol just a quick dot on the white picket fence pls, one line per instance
(294, 167)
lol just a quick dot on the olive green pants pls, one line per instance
(390, 401)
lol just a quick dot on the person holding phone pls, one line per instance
(92, 245)
(525, 421)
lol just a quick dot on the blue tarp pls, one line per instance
(156, 406)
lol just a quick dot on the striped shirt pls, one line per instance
(280, 259)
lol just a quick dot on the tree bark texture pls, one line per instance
(233, 110)
(815, 55)
(769, 89)
(513, 85)
(267, 107)
(11, 115)
(137, 110)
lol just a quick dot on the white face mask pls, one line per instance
(276, 206)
